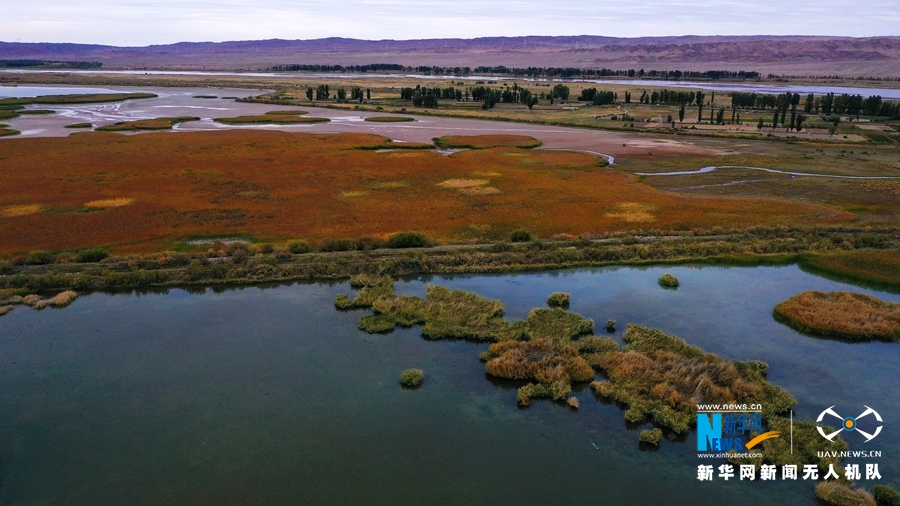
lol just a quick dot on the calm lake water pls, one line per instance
(271, 396)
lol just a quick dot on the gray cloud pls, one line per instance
(143, 22)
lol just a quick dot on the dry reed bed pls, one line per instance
(279, 185)
(35, 301)
(846, 315)
(876, 267)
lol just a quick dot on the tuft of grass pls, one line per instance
(298, 246)
(668, 281)
(91, 255)
(20, 210)
(520, 235)
(886, 496)
(408, 240)
(5, 309)
(846, 315)
(371, 289)
(573, 402)
(37, 112)
(62, 299)
(39, 257)
(650, 436)
(610, 325)
(836, 493)
(558, 299)
(412, 377)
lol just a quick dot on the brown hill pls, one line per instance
(780, 54)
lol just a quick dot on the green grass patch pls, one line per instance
(79, 125)
(76, 99)
(205, 96)
(877, 268)
(485, 141)
(271, 119)
(390, 119)
(558, 299)
(147, 124)
(5, 132)
(6, 114)
(297, 112)
(37, 112)
(836, 493)
(886, 496)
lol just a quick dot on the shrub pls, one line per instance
(558, 299)
(6, 268)
(886, 496)
(266, 248)
(520, 235)
(668, 281)
(839, 494)
(39, 257)
(610, 325)
(651, 436)
(297, 247)
(407, 240)
(329, 244)
(367, 243)
(91, 255)
(411, 377)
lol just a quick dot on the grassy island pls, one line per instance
(846, 315)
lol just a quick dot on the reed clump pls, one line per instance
(371, 288)
(412, 377)
(5, 309)
(846, 315)
(661, 377)
(836, 493)
(668, 281)
(650, 436)
(558, 299)
(886, 496)
(573, 402)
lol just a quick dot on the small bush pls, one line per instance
(886, 496)
(407, 240)
(651, 436)
(6, 268)
(328, 245)
(839, 494)
(610, 325)
(342, 301)
(411, 377)
(91, 255)
(668, 281)
(520, 235)
(558, 299)
(297, 247)
(266, 248)
(39, 257)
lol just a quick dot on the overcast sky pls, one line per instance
(144, 22)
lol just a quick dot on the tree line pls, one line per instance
(826, 104)
(50, 63)
(323, 92)
(372, 67)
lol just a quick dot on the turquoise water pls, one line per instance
(271, 396)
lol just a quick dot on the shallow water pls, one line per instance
(271, 396)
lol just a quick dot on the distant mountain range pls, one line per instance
(814, 55)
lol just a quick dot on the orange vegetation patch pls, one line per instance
(486, 141)
(283, 185)
(633, 212)
(20, 210)
(104, 203)
(841, 314)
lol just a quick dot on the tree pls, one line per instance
(368, 94)
(800, 119)
(810, 101)
(699, 99)
(681, 113)
(760, 124)
(627, 97)
(561, 91)
(775, 120)
(720, 117)
(309, 94)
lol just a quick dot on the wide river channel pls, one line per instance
(268, 395)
